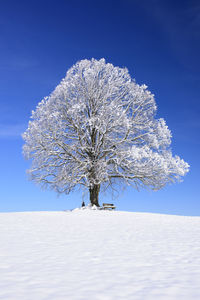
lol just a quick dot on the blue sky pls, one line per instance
(159, 43)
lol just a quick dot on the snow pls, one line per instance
(99, 255)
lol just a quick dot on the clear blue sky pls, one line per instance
(158, 41)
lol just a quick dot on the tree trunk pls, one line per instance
(94, 194)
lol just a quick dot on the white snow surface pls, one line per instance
(99, 255)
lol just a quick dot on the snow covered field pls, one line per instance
(99, 255)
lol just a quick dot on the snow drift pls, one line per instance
(88, 254)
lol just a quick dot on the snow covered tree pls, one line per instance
(97, 128)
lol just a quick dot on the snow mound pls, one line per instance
(99, 255)
(88, 207)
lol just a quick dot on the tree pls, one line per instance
(97, 128)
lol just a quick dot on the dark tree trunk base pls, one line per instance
(94, 195)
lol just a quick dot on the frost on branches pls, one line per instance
(97, 128)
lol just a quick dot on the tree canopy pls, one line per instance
(99, 127)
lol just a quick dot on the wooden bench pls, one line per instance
(108, 206)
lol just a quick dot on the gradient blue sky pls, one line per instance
(158, 41)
